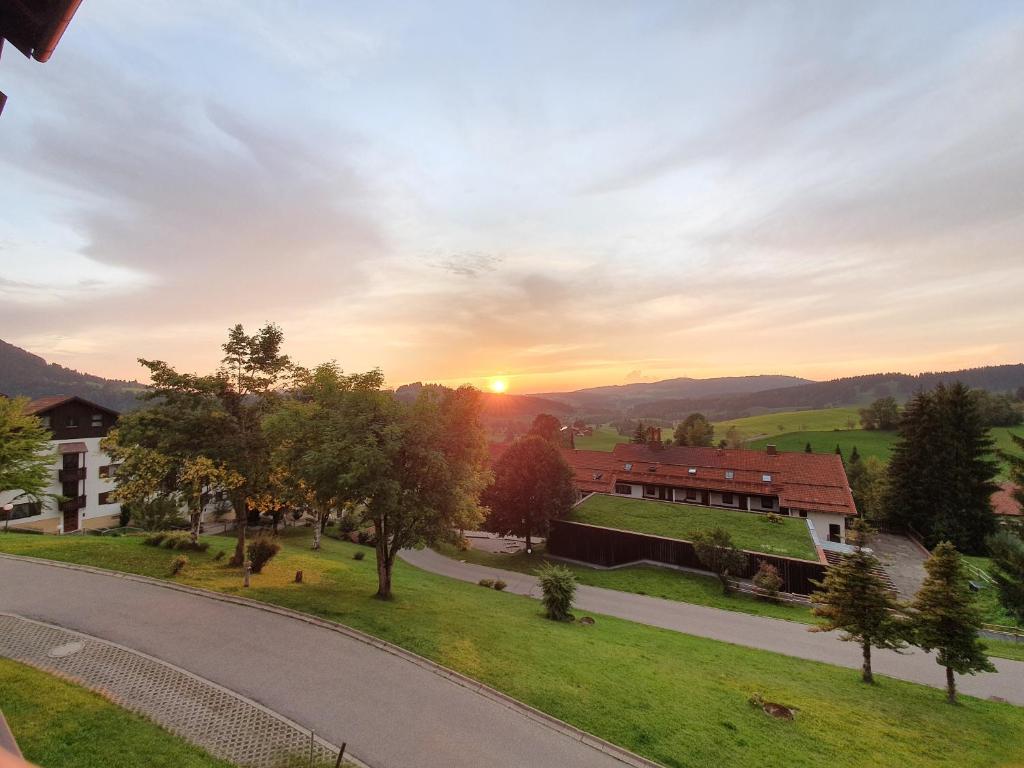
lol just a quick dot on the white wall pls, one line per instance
(822, 520)
(636, 490)
(716, 500)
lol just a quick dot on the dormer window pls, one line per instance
(628, 467)
(766, 478)
(729, 474)
(598, 475)
(652, 468)
(692, 470)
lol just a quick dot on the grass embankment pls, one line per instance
(788, 537)
(666, 583)
(57, 723)
(605, 438)
(676, 699)
(768, 424)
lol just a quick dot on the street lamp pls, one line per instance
(8, 508)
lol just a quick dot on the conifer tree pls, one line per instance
(807, 448)
(853, 599)
(945, 619)
(1007, 551)
(854, 457)
(640, 434)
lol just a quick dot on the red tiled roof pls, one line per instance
(1004, 502)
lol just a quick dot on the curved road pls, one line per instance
(392, 712)
(776, 635)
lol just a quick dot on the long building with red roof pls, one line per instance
(805, 485)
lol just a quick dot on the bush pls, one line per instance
(771, 517)
(486, 583)
(359, 555)
(178, 564)
(176, 540)
(261, 551)
(718, 554)
(369, 538)
(219, 556)
(559, 588)
(159, 514)
(499, 584)
(124, 516)
(347, 523)
(155, 539)
(767, 582)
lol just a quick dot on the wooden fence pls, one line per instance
(610, 547)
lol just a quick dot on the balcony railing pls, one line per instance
(71, 475)
(73, 505)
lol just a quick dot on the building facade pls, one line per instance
(82, 474)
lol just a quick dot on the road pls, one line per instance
(392, 712)
(785, 637)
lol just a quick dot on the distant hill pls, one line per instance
(853, 390)
(621, 397)
(22, 373)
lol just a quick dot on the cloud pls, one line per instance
(470, 264)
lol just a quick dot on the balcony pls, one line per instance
(71, 475)
(73, 505)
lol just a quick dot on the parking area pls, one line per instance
(903, 560)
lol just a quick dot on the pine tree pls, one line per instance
(1007, 551)
(854, 457)
(946, 620)
(852, 598)
(908, 502)
(640, 434)
(807, 448)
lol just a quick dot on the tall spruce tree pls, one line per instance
(946, 620)
(940, 474)
(853, 599)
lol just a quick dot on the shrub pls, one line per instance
(347, 523)
(176, 540)
(369, 538)
(159, 514)
(499, 584)
(767, 582)
(486, 583)
(719, 555)
(124, 516)
(559, 588)
(261, 551)
(155, 539)
(771, 517)
(219, 556)
(178, 564)
(359, 555)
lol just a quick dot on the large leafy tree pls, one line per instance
(946, 620)
(884, 413)
(26, 460)
(218, 416)
(868, 480)
(695, 429)
(941, 472)
(717, 552)
(853, 599)
(533, 485)
(546, 426)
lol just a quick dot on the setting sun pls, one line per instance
(499, 386)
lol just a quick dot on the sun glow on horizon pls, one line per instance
(498, 386)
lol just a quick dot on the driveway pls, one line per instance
(776, 635)
(393, 713)
(903, 560)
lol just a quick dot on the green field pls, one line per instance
(768, 424)
(60, 724)
(676, 699)
(605, 438)
(789, 536)
(868, 443)
(666, 583)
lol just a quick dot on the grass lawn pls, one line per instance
(605, 438)
(768, 424)
(666, 583)
(988, 597)
(676, 699)
(789, 537)
(61, 725)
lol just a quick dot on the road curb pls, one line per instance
(560, 726)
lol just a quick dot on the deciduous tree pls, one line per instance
(695, 429)
(533, 485)
(547, 427)
(716, 551)
(26, 459)
(946, 620)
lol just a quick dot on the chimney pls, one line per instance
(771, 450)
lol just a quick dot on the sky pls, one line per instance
(556, 194)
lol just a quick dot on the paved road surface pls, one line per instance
(903, 560)
(777, 635)
(391, 712)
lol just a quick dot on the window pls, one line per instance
(767, 502)
(784, 512)
(70, 421)
(97, 420)
(628, 467)
(650, 490)
(26, 509)
(803, 513)
(691, 494)
(105, 498)
(729, 474)
(45, 420)
(727, 498)
(597, 475)
(70, 461)
(835, 533)
(652, 468)
(766, 478)
(625, 490)
(692, 470)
